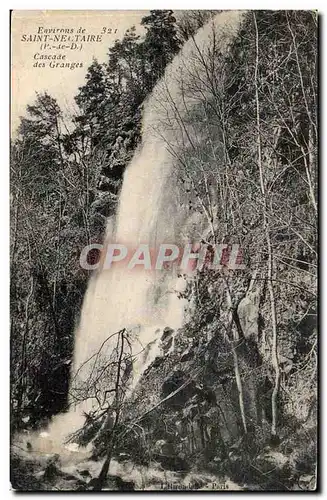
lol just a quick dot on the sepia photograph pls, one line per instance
(164, 250)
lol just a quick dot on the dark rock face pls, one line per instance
(177, 463)
(121, 484)
(192, 400)
(167, 332)
(112, 482)
(85, 473)
(201, 419)
(167, 339)
(178, 380)
(52, 468)
(187, 355)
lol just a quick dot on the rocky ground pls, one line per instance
(186, 452)
(74, 470)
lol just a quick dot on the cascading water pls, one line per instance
(152, 210)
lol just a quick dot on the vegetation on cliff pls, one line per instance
(233, 392)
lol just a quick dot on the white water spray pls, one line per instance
(150, 211)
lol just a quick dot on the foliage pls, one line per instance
(246, 161)
(65, 182)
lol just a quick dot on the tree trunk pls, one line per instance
(233, 327)
(22, 375)
(274, 353)
(100, 480)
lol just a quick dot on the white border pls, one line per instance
(4, 178)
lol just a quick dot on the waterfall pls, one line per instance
(149, 212)
(153, 210)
